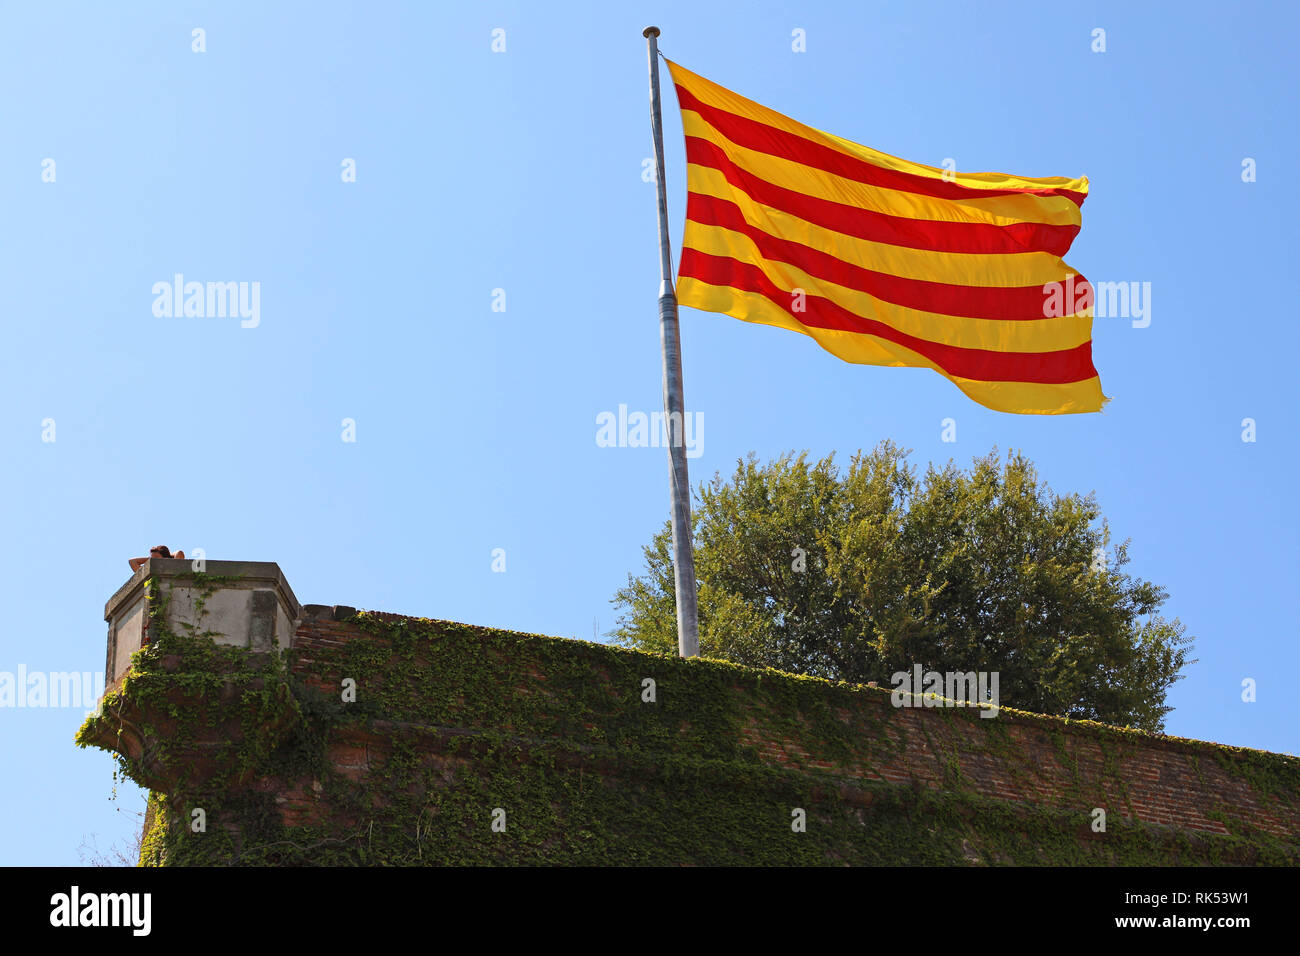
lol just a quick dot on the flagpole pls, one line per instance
(670, 344)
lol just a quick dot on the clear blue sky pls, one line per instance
(522, 171)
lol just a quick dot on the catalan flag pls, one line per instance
(884, 261)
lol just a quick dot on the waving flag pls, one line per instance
(883, 261)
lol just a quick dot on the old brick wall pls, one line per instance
(1017, 759)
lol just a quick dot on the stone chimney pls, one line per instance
(240, 603)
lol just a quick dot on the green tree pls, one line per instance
(860, 575)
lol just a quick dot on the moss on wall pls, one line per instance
(460, 722)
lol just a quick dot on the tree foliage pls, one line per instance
(859, 575)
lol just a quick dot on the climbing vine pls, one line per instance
(459, 722)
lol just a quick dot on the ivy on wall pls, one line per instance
(495, 747)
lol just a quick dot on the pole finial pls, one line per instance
(650, 32)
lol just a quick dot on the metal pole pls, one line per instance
(670, 343)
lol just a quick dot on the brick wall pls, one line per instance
(599, 755)
(1173, 787)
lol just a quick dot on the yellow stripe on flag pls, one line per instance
(882, 261)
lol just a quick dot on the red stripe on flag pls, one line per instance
(1013, 303)
(1067, 365)
(966, 237)
(777, 142)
